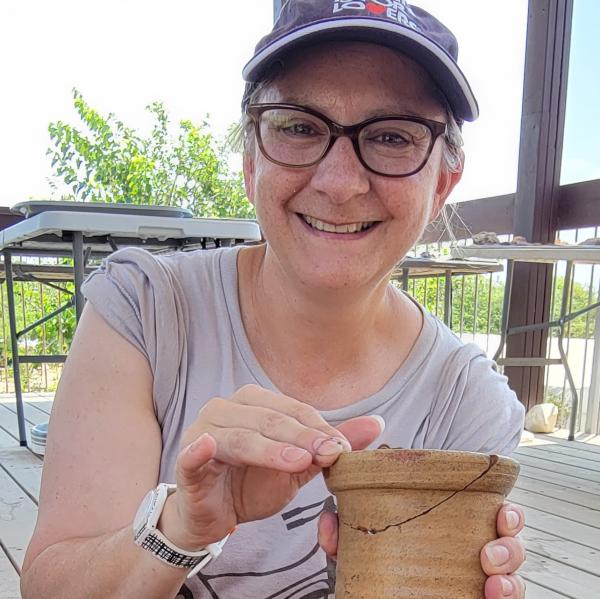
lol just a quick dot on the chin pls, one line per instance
(341, 277)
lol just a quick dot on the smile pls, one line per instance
(320, 225)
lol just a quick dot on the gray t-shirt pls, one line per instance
(182, 312)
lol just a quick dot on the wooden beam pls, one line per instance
(538, 182)
(579, 205)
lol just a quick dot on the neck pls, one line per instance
(326, 347)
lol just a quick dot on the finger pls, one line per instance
(511, 520)
(253, 395)
(362, 431)
(242, 447)
(505, 587)
(328, 533)
(504, 556)
(276, 426)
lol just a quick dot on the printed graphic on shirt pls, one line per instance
(398, 10)
(312, 582)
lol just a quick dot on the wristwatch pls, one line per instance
(148, 537)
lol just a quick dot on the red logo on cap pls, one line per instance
(376, 9)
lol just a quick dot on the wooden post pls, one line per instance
(537, 196)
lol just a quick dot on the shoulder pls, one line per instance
(132, 270)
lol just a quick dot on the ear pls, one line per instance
(447, 181)
(248, 166)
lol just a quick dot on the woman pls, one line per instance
(239, 374)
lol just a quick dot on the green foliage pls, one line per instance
(32, 302)
(110, 162)
(469, 292)
(473, 294)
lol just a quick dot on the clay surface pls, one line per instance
(413, 522)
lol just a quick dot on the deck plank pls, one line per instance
(18, 514)
(569, 511)
(535, 591)
(9, 424)
(562, 459)
(24, 466)
(563, 579)
(561, 550)
(592, 442)
(556, 466)
(562, 528)
(562, 492)
(9, 578)
(33, 414)
(562, 479)
(566, 450)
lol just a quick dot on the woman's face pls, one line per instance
(348, 82)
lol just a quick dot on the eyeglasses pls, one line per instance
(297, 137)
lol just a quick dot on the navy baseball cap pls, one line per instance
(393, 23)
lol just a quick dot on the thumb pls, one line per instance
(193, 458)
(362, 431)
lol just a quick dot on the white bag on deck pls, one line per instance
(541, 418)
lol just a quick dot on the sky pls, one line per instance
(124, 54)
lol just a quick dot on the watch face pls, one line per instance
(141, 517)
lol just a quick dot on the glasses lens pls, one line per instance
(293, 137)
(395, 146)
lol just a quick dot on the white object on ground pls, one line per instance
(541, 418)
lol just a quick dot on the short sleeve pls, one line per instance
(475, 409)
(140, 297)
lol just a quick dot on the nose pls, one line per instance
(340, 175)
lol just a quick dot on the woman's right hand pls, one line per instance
(245, 458)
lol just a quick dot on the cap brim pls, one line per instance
(434, 59)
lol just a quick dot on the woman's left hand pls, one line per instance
(500, 559)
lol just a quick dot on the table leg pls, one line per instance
(405, 279)
(78, 272)
(563, 355)
(505, 309)
(15, 347)
(448, 299)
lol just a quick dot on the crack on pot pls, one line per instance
(492, 461)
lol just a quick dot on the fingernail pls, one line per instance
(380, 420)
(293, 454)
(327, 447)
(512, 519)
(507, 587)
(497, 554)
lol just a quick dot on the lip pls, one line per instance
(337, 236)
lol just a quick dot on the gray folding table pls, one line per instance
(83, 231)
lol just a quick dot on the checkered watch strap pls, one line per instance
(165, 553)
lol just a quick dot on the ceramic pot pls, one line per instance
(413, 522)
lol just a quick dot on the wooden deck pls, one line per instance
(559, 488)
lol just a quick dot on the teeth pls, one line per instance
(323, 226)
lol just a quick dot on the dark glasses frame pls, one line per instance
(255, 111)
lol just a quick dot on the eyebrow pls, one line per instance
(372, 114)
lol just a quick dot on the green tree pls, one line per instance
(107, 161)
(473, 304)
